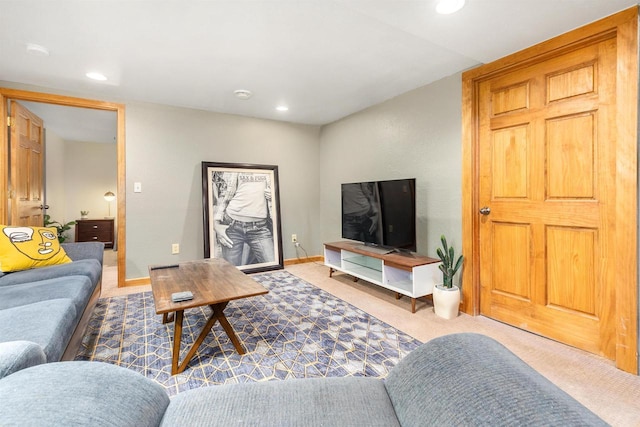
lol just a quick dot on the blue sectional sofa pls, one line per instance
(461, 379)
(44, 311)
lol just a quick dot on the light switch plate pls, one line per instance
(137, 187)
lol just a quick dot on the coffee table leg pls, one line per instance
(216, 315)
(203, 333)
(217, 311)
(177, 337)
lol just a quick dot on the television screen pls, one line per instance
(381, 213)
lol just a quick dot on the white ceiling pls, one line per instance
(325, 59)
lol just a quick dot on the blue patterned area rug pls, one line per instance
(295, 331)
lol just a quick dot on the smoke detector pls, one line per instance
(242, 94)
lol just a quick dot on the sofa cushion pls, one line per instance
(84, 267)
(22, 248)
(76, 288)
(306, 402)
(49, 324)
(84, 250)
(80, 393)
(478, 382)
(17, 355)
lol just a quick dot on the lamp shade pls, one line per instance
(109, 196)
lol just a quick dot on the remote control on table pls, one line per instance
(181, 296)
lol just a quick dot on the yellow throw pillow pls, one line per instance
(22, 248)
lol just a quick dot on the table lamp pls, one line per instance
(109, 197)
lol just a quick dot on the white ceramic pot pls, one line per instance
(446, 301)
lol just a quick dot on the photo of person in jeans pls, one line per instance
(242, 217)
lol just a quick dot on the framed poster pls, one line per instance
(241, 206)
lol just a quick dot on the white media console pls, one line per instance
(412, 275)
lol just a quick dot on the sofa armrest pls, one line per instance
(81, 393)
(471, 379)
(17, 355)
(84, 250)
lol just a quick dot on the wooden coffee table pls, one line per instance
(213, 282)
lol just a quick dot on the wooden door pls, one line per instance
(547, 151)
(26, 167)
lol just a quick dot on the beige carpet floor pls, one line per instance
(595, 382)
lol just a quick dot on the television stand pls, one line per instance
(413, 276)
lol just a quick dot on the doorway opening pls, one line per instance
(115, 207)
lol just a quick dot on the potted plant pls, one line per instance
(83, 214)
(60, 228)
(446, 296)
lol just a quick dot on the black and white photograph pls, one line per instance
(241, 205)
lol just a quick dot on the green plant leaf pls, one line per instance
(444, 243)
(458, 264)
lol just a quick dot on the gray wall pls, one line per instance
(55, 193)
(77, 176)
(90, 170)
(165, 148)
(415, 135)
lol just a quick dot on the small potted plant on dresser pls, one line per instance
(446, 296)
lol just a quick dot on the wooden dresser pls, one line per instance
(95, 230)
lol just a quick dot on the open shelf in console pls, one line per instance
(399, 279)
(362, 266)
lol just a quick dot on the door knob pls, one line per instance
(43, 207)
(485, 210)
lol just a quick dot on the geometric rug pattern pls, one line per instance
(295, 331)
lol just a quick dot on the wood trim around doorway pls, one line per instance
(623, 26)
(119, 109)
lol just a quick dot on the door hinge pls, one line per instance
(10, 122)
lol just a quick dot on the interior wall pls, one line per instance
(55, 193)
(415, 135)
(165, 148)
(90, 170)
(396, 139)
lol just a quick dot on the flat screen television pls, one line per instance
(380, 213)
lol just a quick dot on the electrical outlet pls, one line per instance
(294, 238)
(175, 248)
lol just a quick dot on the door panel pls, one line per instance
(511, 268)
(27, 164)
(571, 144)
(510, 162)
(571, 269)
(546, 160)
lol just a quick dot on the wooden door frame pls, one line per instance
(119, 109)
(624, 27)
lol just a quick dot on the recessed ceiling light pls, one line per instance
(282, 108)
(243, 94)
(446, 7)
(37, 50)
(96, 76)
